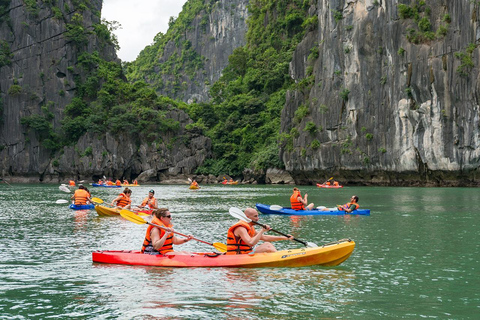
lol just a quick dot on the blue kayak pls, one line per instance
(104, 185)
(82, 207)
(264, 208)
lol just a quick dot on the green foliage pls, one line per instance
(104, 32)
(401, 52)
(14, 90)
(315, 144)
(382, 150)
(301, 113)
(88, 152)
(421, 14)
(5, 54)
(369, 136)
(344, 94)
(310, 127)
(337, 15)
(76, 32)
(466, 60)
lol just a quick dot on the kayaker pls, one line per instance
(350, 206)
(299, 203)
(135, 182)
(125, 181)
(161, 240)
(123, 200)
(71, 183)
(194, 183)
(242, 237)
(150, 202)
(81, 196)
(118, 182)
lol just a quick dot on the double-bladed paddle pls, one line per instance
(237, 213)
(130, 216)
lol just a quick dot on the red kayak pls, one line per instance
(328, 186)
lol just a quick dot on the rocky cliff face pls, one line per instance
(385, 96)
(40, 44)
(213, 36)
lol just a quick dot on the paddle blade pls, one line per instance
(61, 201)
(311, 245)
(222, 247)
(143, 214)
(97, 200)
(276, 207)
(130, 216)
(64, 188)
(237, 213)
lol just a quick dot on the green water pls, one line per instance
(417, 256)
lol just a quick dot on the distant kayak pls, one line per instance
(193, 187)
(230, 182)
(330, 254)
(82, 207)
(130, 185)
(266, 209)
(104, 185)
(328, 186)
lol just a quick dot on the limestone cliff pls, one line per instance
(187, 65)
(387, 93)
(41, 44)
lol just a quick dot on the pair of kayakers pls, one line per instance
(242, 238)
(299, 203)
(123, 201)
(81, 196)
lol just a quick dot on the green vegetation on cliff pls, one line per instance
(243, 116)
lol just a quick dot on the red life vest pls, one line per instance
(124, 201)
(347, 206)
(71, 183)
(235, 245)
(81, 196)
(295, 204)
(167, 245)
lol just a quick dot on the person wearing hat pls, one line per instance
(150, 202)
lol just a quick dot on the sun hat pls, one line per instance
(152, 191)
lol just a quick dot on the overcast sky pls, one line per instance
(140, 22)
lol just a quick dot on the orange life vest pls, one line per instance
(167, 245)
(296, 205)
(71, 183)
(125, 181)
(81, 196)
(150, 202)
(124, 201)
(327, 183)
(235, 245)
(135, 182)
(118, 183)
(335, 183)
(347, 206)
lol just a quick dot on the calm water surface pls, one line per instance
(417, 256)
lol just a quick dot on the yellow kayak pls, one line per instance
(193, 187)
(130, 185)
(106, 211)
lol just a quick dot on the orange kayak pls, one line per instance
(331, 254)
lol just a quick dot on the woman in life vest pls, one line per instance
(150, 202)
(159, 239)
(242, 237)
(81, 196)
(125, 181)
(123, 200)
(350, 206)
(118, 182)
(299, 203)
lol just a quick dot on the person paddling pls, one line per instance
(81, 196)
(242, 236)
(161, 240)
(299, 203)
(150, 202)
(123, 200)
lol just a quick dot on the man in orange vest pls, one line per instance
(299, 203)
(242, 237)
(350, 206)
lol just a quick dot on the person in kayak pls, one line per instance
(299, 203)
(123, 200)
(242, 237)
(161, 240)
(150, 202)
(350, 206)
(81, 196)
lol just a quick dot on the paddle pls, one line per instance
(129, 215)
(64, 188)
(237, 213)
(60, 201)
(328, 180)
(100, 201)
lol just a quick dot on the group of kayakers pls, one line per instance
(116, 183)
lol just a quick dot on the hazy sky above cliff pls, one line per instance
(140, 22)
